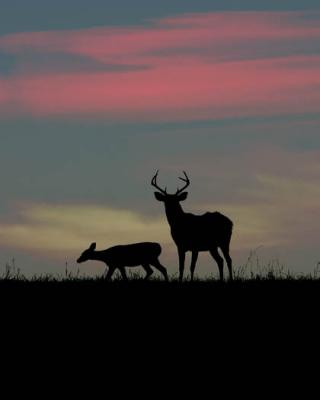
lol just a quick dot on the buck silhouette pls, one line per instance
(195, 233)
(130, 255)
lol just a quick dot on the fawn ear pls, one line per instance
(159, 196)
(92, 246)
(183, 196)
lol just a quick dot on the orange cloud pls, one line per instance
(280, 212)
(66, 228)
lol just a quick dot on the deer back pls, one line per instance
(201, 232)
(133, 254)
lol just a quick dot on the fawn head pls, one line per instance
(86, 255)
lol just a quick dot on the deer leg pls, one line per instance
(193, 263)
(219, 261)
(110, 273)
(123, 273)
(148, 269)
(160, 268)
(182, 256)
(226, 254)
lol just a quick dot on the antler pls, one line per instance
(154, 183)
(187, 183)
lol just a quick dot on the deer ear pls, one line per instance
(159, 196)
(92, 246)
(183, 196)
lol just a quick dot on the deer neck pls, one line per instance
(97, 256)
(174, 213)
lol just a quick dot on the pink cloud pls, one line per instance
(195, 91)
(188, 75)
(4, 93)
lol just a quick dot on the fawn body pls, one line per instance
(130, 255)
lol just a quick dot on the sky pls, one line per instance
(96, 96)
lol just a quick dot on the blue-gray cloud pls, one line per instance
(33, 15)
(7, 63)
(30, 62)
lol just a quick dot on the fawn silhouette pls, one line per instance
(130, 255)
(195, 233)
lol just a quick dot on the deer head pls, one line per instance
(167, 198)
